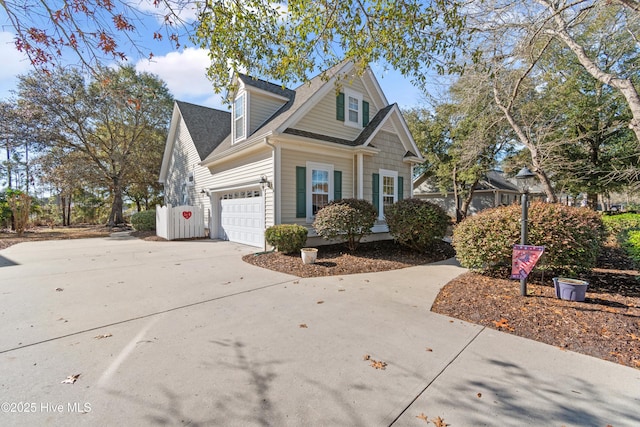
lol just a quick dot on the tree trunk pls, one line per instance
(115, 217)
(9, 166)
(464, 209)
(63, 205)
(69, 210)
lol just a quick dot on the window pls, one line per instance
(190, 181)
(239, 117)
(388, 189)
(353, 109)
(354, 106)
(319, 186)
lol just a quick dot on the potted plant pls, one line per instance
(570, 289)
(309, 255)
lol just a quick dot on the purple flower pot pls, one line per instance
(570, 289)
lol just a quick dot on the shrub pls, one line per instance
(286, 238)
(630, 241)
(346, 219)
(571, 236)
(618, 223)
(144, 221)
(416, 223)
(20, 205)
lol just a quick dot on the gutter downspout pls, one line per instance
(275, 187)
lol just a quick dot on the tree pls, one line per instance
(112, 122)
(286, 44)
(462, 138)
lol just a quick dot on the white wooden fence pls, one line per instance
(180, 222)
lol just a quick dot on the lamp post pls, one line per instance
(525, 177)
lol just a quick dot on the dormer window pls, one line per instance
(352, 109)
(239, 117)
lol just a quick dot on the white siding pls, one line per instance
(322, 117)
(261, 107)
(244, 173)
(292, 158)
(184, 159)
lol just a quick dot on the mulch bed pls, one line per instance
(606, 325)
(336, 260)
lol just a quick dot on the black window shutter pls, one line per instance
(340, 107)
(375, 184)
(337, 185)
(400, 187)
(301, 192)
(365, 113)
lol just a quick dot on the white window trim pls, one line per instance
(394, 175)
(245, 116)
(190, 180)
(311, 166)
(353, 94)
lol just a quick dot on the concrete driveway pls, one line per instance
(196, 337)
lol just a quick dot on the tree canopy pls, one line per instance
(114, 124)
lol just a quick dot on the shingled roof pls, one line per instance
(208, 127)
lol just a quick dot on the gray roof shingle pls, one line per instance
(208, 127)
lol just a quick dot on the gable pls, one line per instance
(321, 118)
(206, 126)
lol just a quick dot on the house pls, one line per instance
(289, 152)
(493, 190)
(195, 131)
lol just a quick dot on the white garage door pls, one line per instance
(242, 217)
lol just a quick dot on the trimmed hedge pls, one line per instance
(346, 219)
(286, 238)
(416, 223)
(144, 221)
(572, 237)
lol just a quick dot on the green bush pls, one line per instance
(618, 223)
(286, 238)
(347, 219)
(144, 221)
(630, 241)
(572, 237)
(416, 223)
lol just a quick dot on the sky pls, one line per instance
(184, 72)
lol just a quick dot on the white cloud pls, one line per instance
(185, 11)
(13, 63)
(185, 75)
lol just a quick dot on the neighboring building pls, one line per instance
(287, 153)
(491, 191)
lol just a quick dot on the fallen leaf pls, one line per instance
(423, 417)
(71, 379)
(429, 349)
(59, 289)
(320, 302)
(341, 290)
(504, 324)
(303, 325)
(366, 357)
(479, 395)
(439, 422)
(378, 364)
(99, 337)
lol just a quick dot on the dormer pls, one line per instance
(256, 101)
(352, 109)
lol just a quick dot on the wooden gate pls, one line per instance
(181, 222)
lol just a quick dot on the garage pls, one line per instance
(242, 217)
